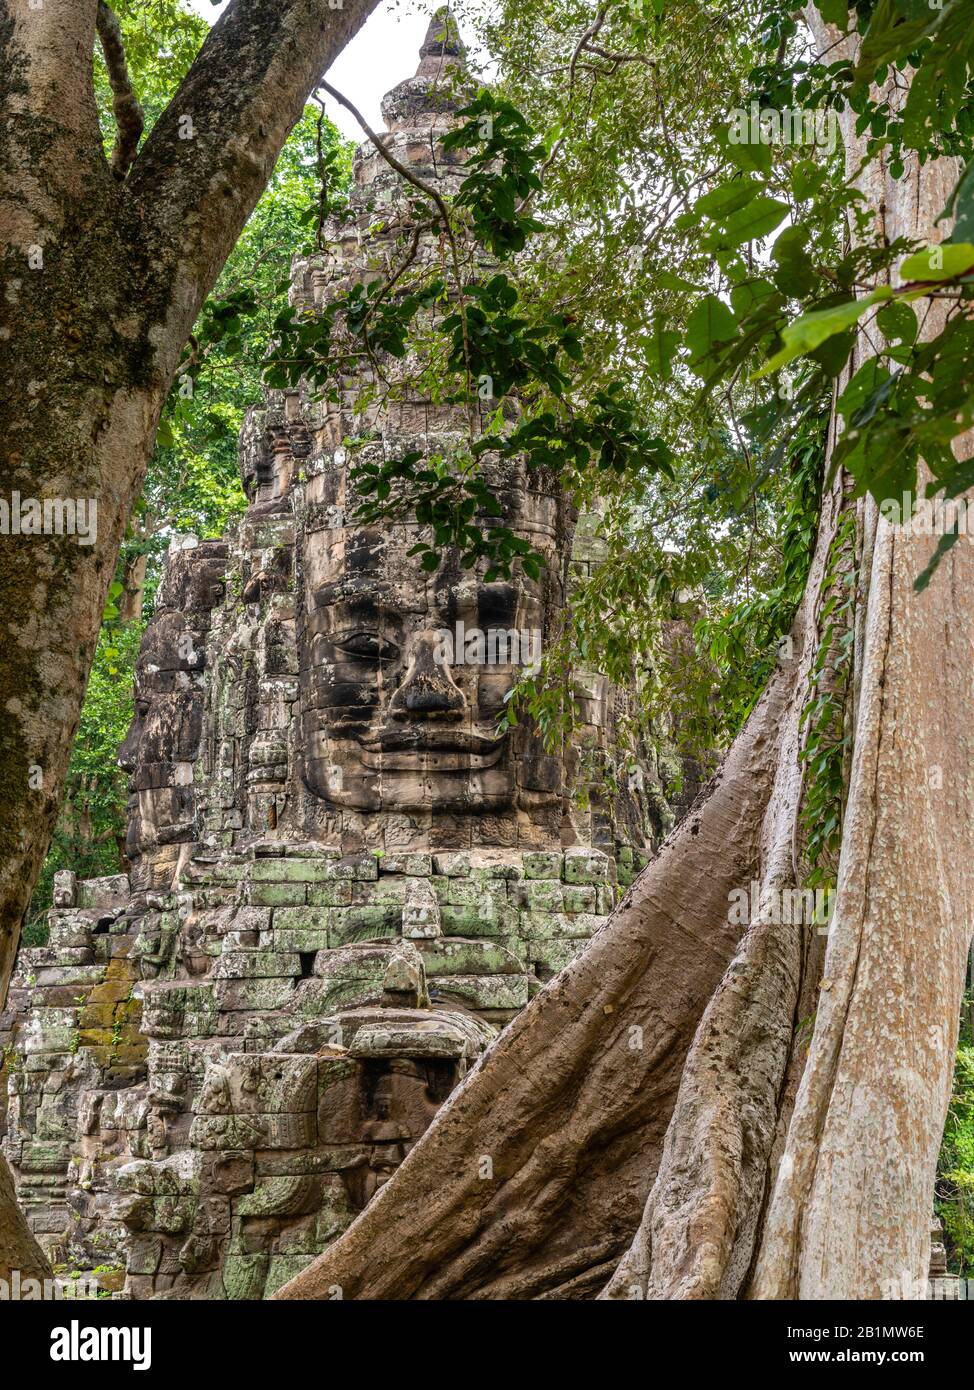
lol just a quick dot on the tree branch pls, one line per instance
(210, 155)
(125, 104)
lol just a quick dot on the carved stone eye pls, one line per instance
(368, 646)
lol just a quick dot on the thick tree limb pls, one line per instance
(209, 156)
(125, 104)
(50, 126)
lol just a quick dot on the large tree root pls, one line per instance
(18, 1248)
(699, 1228)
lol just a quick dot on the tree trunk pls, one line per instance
(19, 1250)
(851, 1209)
(133, 587)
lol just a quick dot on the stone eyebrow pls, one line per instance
(358, 594)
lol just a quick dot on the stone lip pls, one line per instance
(395, 1032)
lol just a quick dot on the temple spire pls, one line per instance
(441, 45)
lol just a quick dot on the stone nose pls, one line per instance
(428, 690)
(127, 755)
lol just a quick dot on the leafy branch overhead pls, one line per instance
(769, 221)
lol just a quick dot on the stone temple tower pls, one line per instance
(345, 875)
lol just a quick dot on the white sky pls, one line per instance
(383, 52)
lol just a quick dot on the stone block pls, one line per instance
(384, 892)
(539, 895)
(421, 916)
(253, 994)
(65, 888)
(586, 866)
(344, 976)
(347, 925)
(275, 894)
(542, 864)
(533, 925)
(335, 894)
(288, 870)
(110, 892)
(256, 965)
(484, 991)
(493, 918)
(580, 897)
(259, 1083)
(452, 865)
(453, 956)
(304, 940)
(252, 1131)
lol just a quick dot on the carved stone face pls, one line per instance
(162, 744)
(404, 674)
(163, 739)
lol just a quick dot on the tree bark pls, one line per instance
(102, 280)
(133, 587)
(19, 1251)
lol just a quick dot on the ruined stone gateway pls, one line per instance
(344, 880)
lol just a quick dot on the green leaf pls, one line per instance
(756, 219)
(805, 333)
(720, 202)
(866, 381)
(888, 36)
(960, 205)
(750, 294)
(659, 345)
(710, 324)
(667, 280)
(897, 322)
(944, 262)
(795, 275)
